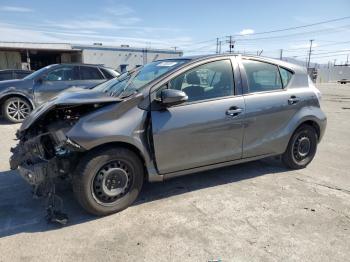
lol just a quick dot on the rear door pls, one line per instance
(55, 81)
(208, 129)
(90, 76)
(269, 106)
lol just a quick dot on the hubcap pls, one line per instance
(302, 147)
(18, 110)
(112, 182)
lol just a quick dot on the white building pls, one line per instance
(17, 55)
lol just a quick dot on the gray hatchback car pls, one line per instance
(19, 97)
(166, 119)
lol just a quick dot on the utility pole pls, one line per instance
(231, 43)
(217, 45)
(220, 42)
(281, 54)
(308, 61)
(347, 60)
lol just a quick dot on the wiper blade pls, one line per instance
(127, 94)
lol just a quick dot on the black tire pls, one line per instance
(16, 109)
(99, 171)
(301, 148)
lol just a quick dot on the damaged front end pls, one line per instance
(45, 154)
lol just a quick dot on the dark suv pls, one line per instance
(19, 97)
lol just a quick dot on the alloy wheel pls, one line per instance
(18, 109)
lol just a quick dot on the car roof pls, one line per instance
(81, 64)
(293, 67)
(15, 70)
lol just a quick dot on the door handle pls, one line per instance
(234, 111)
(293, 100)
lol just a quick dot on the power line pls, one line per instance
(274, 31)
(328, 30)
(298, 27)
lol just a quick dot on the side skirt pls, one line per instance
(159, 178)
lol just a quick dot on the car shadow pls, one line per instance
(4, 122)
(20, 213)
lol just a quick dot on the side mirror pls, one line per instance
(171, 97)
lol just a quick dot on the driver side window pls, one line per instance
(208, 81)
(66, 73)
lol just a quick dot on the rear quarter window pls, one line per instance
(286, 76)
(90, 73)
(107, 74)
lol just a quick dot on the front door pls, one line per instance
(208, 129)
(55, 82)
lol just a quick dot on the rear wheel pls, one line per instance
(108, 180)
(16, 109)
(301, 148)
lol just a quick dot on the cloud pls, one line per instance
(129, 20)
(122, 14)
(247, 32)
(85, 24)
(119, 10)
(16, 9)
(10, 32)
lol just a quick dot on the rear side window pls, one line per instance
(6, 76)
(90, 73)
(286, 75)
(262, 76)
(20, 75)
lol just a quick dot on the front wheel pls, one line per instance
(108, 180)
(301, 148)
(16, 109)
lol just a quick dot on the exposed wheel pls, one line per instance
(16, 109)
(108, 180)
(301, 148)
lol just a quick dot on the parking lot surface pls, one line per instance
(258, 211)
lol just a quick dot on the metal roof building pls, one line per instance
(25, 55)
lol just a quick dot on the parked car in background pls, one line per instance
(19, 97)
(170, 118)
(344, 81)
(9, 74)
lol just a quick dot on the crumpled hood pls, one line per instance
(73, 96)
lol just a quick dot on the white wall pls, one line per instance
(114, 59)
(10, 60)
(333, 74)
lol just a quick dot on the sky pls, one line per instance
(188, 25)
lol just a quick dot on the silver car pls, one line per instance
(20, 96)
(166, 119)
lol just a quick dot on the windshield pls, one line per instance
(134, 81)
(38, 72)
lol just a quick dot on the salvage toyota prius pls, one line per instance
(169, 118)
